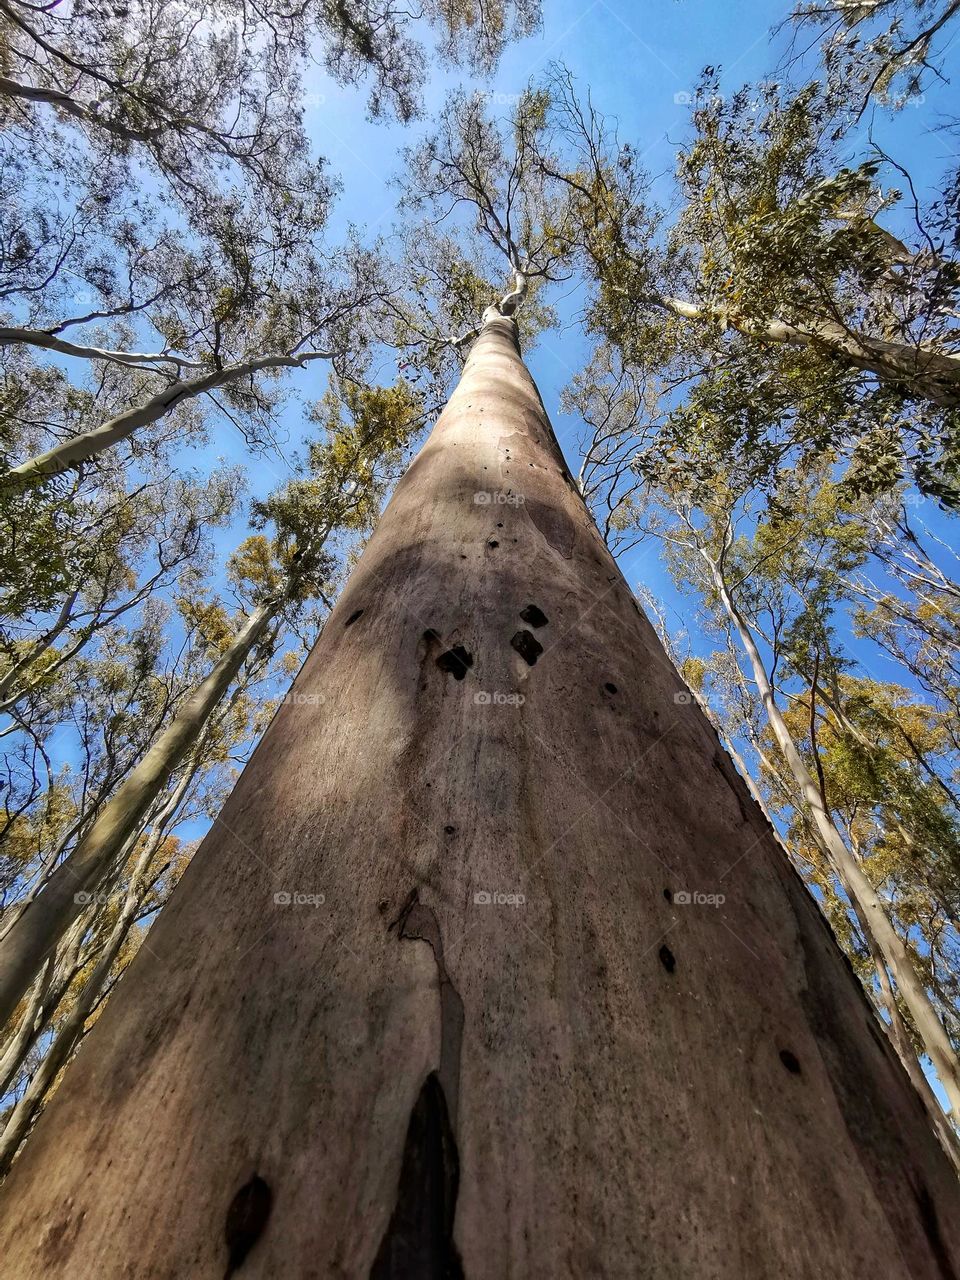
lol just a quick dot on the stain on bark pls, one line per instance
(418, 1243)
(555, 525)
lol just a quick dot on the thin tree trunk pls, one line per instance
(903, 1043)
(39, 928)
(19, 1044)
(352, 1050)
(71, 1029)
(71, 452)
(158, 822)
(914, 994)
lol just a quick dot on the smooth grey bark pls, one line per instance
(39, 928)
(404, 1074)
(18, 1045)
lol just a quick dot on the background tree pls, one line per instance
(775, 298)
(886, 50)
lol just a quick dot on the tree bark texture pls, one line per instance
(502, 1045)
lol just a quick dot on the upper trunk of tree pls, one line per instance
(409, 1076)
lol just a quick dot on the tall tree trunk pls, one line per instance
(39, 928)
(158, 820)
(24, 1034)
(851, 874)
(428, 1002)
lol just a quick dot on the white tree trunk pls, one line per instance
(393, 1076)
(934, 375)
(71, 1029)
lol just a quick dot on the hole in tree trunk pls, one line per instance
(536, 617)
(527, 645)
(456, 661)
(667, 959)
(246, 1219)
(790, 1061)
(353, 617)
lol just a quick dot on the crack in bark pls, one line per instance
(418, 1241)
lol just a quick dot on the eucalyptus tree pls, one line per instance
(235, 330)
(215, 87)
(449, 887)
(80, 974)
(104, 551)
(777, 293)
(887, 49)
(910, 608)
